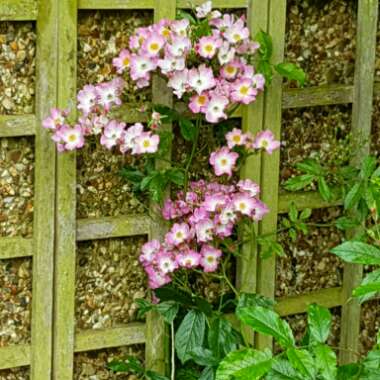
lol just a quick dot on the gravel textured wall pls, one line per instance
(19, 373)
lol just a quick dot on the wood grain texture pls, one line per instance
(87, 340)
(231, 4)
(116, 4)
(18, 10)
(361, 129)
(44, 189)
(15, 356)
(17, 125)
(65, 247)
(12, 247)
(271, 163)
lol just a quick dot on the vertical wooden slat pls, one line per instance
(64, 322)
(271, 163)
(156, 349)
(361, 129)
(253, 118)
(43, 229)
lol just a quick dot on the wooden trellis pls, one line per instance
(57, 231)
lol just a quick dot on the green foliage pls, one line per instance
(291, 72)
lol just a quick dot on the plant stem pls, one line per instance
(192, 154)
(173, 351)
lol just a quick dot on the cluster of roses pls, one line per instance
(224, 160)
(211, 71)
(94, 104)
(207, 213)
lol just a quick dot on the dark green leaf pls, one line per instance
(310, 166)
(203, 357)
(143, 307)
(221, 337)
(168, 309)
(299, 182)
(345, 223)
(352, 198)
(176, 176)
(133, 175)
(325, 360)
(188, 129)
(283, 370)
(246, 364)
(291, 72)
(203, 305)
(181, 14)
(169, 293)
(324, 189)
(267, 322)
(253, 299)
(358, 253)
(265, 68)
(372, 360)
(305, 214)
(169, 114)
(207, 374)
(129, 364)
(303, 361)
(368, 167)
(349, 372)
(293, 213)
(319, 322)
(190, 334)
(151, 375)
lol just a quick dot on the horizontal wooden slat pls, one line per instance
(116, 4)
(303, 200)
(14, 125)
(103, 228)
(130, 114)
(216, 3)
(18, 10)
(14, 356)
(317, 96)
(87, 340)
(12, 247)
(298, 304)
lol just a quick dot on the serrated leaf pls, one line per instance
(188, 129)
(204, 357)
(363, 292)
(293, 213)
(133, 175)
(207, 374)
(252, 300)
(349, 372)
(345, 223)
(190, 334)
(168, 310)
(325, 359)
(169, 114)
(129, 364)
(368, 167)
(151, 375)
(358, 253)
(303, 361)
(221, 337)
(169, 293)
(265, 68)
(283, 370)
(310, 166)
(305, 214)
(246, 364)
(266, 45)
(319, 322)
(299, 182)
(267, 322)
(291, 72)
(324, 189)
(176, 176)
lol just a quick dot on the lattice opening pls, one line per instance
(369, 325)
(108, 280)
(318, 132)
(320, 37)
(18, 373)
(17, 67)
(15, 301)
(307, 265)
(16, 186)
(375, 139)
(92, 365)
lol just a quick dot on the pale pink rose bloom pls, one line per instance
(198, 103)
(243, 203)
(213, 202)
(215, 109)
(72, 138)
(178, 82)
(171, 64)
(243, 91)
(208, 46)
(204, 9)
(204, 230)
(189, 259)
(153, 45)
(166, 262)
(179, 233)
(55, 119)
(112, 133)
(108, 94)
(235, 138)
(122, 61)
(179, 46)
(201, 79)
(223, 161)
(146, 142)
(210, 258)
(237, 33)
(249, 187)
(266, 140)
(226, 53)
(148, 251)
(141, 66)
(261, 209)
(180, 27)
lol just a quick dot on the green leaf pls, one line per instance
(188, 129)
(324, 189)
(143, 307)
(345, 223)
(133, 175)
(358, 253)
(267, 322)
(299, 182)
(246, 364)
(190, 334)
(129, 364)
(293, 213)
(169, 114)
(203, 356)
(203, 305)
(266, 45)
(207, 374)
(181, 14)
(169, 293)
(283, 370)
(363, 291)
(265, 68)
(305, 214)
(352, 198)
(168, 309)
(310, 166)
(319, 322)
(151, 375)
(349, 372)
(253, 299)
(368, 167)
(291, 72)
(176, 176)
(325, 360)
(372, 361)
(221, 337)
(303, 361)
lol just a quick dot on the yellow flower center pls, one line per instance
(236, 138)
(210, 259)
(209, 48)
(165, 32)
(230, 70)
(126, 61)
(146, 143)
(242, 206)
(237, 37)
(223, 162)
(264, 144)
(201, 100)
(179, 235)
(72, 138)
(244, 90)
(154, 46)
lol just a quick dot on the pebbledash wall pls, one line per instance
(70, 229)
